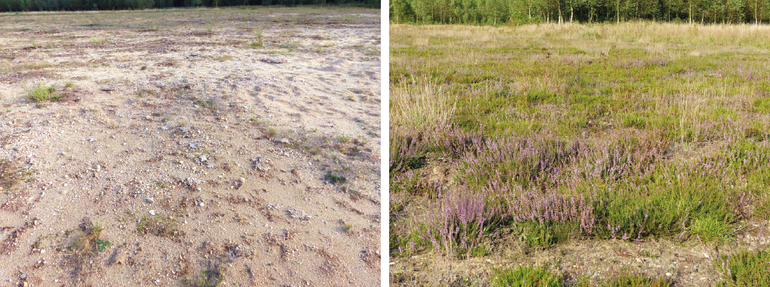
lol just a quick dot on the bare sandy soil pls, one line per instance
(237, 147)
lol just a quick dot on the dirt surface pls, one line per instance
(230, 146)
(687, 262)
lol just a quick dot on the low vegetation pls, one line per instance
(576, 132)
(87, 243)
(42, 93)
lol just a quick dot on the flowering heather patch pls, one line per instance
(556, 137)
(407, 150)
(460, 222)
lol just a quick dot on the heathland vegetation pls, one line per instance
(493, 12)
(635, 132)
(72, 5)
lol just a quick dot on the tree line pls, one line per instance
(493, 12)
(71, 5)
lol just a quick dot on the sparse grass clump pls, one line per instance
(207, 278)
(88, 242)
(421, 106)
(335, 178)
(257, 43)
(43, 93)
(525, 276)
(159, 225)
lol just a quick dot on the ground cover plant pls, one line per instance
(632, 153)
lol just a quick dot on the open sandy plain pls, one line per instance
(194, 147)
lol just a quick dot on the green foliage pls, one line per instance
(637, 281)
(635, 121)
(525, 276)
(762, 105)
(41, 93)
(102, 244)
(335, 178)
(548, 234)
(750, 268)
(516, 12)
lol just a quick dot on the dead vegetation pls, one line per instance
(159, 225)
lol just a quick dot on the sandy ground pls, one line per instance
(230, 146)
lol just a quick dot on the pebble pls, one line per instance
(242, 180)
(201, 204)
(120, 258)
(149, 200)
(92, 140)
(152, 212)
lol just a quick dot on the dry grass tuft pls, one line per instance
(423, 106)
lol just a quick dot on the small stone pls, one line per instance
(149, 200)
(283, 141)
(200, 204)
(242, 180)
(152, 212)
(23, 276)
(120, 258)
(17, 148)
(203, 158)
(193, 145)
(92, 140)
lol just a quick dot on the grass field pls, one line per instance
(545, 137)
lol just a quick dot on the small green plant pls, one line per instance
(648, 254)
(207, 278)
(257, 43)
(41, 93)
(343, 138)
(102, 244)
(335, 178)
(348, 227)
(98, 42)
(68, 85)
(88, 243)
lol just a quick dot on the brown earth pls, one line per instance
(237, 147)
